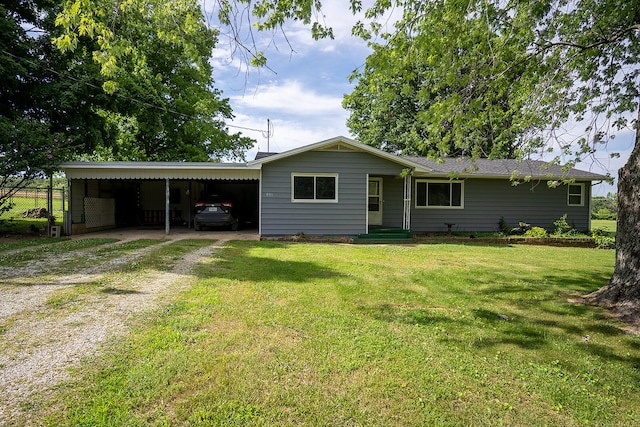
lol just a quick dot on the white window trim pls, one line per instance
(438, 181)
(315, 175)
(569, 194)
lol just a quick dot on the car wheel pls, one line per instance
(197, 226)
(234, 226)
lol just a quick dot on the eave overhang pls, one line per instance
(160, 170)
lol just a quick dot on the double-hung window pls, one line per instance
(575, 196)
(439, 194)
(314, 188)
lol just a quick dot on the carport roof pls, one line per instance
(160, 170)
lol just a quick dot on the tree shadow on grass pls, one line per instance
(528, 332)
(237, 264)
(505, 286)
(410, 315)
(513, 330)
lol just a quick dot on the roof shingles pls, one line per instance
(502, 168)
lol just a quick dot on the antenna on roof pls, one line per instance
(268, 134)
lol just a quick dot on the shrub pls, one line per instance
(602, 240)
(509, 230)
(537, 232)
(562, 228)
(503, 226)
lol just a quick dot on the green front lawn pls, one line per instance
(276, 333)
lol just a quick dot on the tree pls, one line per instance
(154, 56)
(519, 71)
(604, 207)
(445, 98)
(37, 130)
(156, 103)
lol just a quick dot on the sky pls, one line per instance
(301, 91)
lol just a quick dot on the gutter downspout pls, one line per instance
(260, 203)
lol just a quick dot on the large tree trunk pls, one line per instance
(622, 293)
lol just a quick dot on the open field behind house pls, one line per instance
(606, 225)
(28, 211)
(32, 198)
(275, 333)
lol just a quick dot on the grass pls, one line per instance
(24, 226)
(273, 333)
(24, 243)
(606, 225)
(13, 222)
(50, 249)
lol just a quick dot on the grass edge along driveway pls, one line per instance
(276, 333)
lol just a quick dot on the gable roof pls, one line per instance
(340, 143)
(422, 167)
(502, 168)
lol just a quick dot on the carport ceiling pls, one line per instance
(160, 170)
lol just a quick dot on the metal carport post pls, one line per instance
(166, 207)
(406, 210)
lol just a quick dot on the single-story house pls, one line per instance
(337, 187)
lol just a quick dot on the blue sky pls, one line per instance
(302, 92)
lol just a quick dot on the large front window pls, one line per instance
(314, 188)
(439, 194)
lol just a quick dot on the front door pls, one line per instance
(375, 201)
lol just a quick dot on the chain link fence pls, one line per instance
(33, 203)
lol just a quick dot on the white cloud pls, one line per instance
(289, 98)
(288, 132)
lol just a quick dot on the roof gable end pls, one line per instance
(341, 143)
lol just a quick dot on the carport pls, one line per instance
(105, 195)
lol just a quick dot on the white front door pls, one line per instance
(375, 201)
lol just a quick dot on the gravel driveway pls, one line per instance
(37, 347)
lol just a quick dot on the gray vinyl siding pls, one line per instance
(487, 200)
(280, 216)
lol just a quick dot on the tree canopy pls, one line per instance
(495, 78)
(154, 100)
(433, 88)
(44, 117)
(154, 59)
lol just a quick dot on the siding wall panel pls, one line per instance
(487, 200)
(280, 216)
